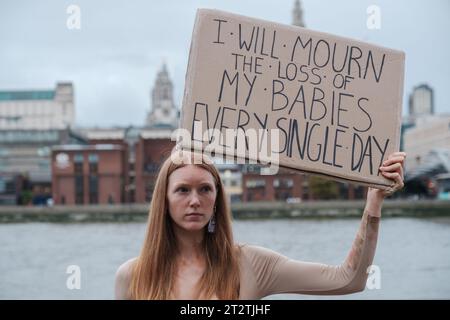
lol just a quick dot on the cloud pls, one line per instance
(113, 59)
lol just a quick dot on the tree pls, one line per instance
(26, 197)
(322, 188)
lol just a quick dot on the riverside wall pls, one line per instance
(255, 210)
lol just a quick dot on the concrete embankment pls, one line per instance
(255, 210)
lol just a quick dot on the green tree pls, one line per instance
(26, 196)
(322, 188)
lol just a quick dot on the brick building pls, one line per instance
(152, 149)
(90, 174)
(279, 187)
(143, 152)
(288, 186)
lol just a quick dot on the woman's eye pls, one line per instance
(182, 189)
(205, 189)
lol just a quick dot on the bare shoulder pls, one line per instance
(123, 279)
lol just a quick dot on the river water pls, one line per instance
(412, 258)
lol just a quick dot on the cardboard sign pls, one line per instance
(321, 103)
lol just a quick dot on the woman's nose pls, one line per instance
(194, 201)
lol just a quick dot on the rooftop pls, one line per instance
(27, 95)
(74, 147)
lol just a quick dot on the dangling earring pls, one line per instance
(212, 222)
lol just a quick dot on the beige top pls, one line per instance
(265, 272)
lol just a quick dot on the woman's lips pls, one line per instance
(194, 216)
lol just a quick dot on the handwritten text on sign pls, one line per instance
(334, 102)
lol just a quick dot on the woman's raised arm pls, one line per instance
(293, 276)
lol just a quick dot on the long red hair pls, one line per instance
(154, 270)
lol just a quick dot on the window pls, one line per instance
(360, 192)
(283, 183)
(79, 168)
(276, 183)
(93, 189)
(77, 158)
(255, 183)
(93, 163)
(289, 183)
(282, 195)
(93, 158)
(305, 195)
(78, 161)
(79, 184)
(93, 184)
(93, 168)
(343, 190)
(79, 189)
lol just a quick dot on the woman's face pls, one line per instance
(191, 196)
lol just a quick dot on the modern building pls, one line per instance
(38, 109)
(27, 153)
(163, 112)
(421, 101)
(430, 178)
(422, 129)
(31, 122)
(429, 133)
(11, 188)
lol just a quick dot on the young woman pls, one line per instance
(189, 252)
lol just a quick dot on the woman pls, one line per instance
(189, 252)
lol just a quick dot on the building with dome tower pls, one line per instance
(163, 111)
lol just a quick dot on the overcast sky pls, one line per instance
(113, 59)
